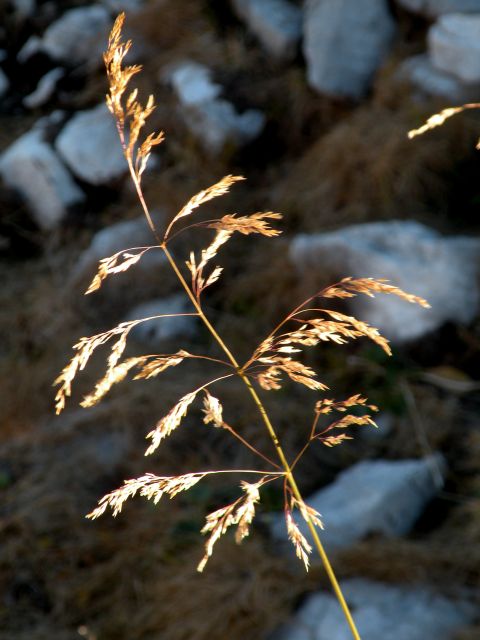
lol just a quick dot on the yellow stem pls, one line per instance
(288, 471)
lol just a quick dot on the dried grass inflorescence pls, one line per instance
(278, 356)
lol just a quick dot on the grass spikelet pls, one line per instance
(349, 287)
(111, 265)
(170, 422)
(302, 548)
(308, 513)
(218, 189)
(362, 329)
(199, 283)
(213, 410)
(240, 513)
(438, 119)
(85, 348)
(255, 223)
(158, 364)
(296, 371)
(113, 376)
(149, 486)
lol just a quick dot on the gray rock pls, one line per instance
(214, 121)
(435, 8)
(428, 80)
(23, 8)
(4, 83)
(345, 41)
(218, 125)
(192, 83)
(31, 167)
(454, 46)
(374, 496)
(154, 332)
(413, 257)
(89, 145)
(380, 611)
(78, 36)
(31, 47)
(276, 23)
(129, 6)
(117, 237)
(44, 90)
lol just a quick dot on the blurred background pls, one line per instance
(312, 103)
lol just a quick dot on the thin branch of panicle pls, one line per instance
(438, 119)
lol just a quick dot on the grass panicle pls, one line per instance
(278, 356)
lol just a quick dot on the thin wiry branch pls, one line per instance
(438, 119)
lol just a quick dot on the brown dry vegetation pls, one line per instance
(323, 164)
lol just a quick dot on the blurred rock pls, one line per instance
(77, 37)
(380, 611)
(90, 147)
(193, 83)
(345, 43)
(431, 81)
(129, 6)
(215, 122)
(374, 496)
(31, 167)
(413, 257)
(44, 90)
(435, 8)
(276, 23)
(154, 332)
(23, 8)
(454, 46)
(117, 237)
(4, 83)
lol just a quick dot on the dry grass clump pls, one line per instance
(367, 169)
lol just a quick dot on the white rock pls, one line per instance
(430, 81)
(32, 167)
(90, 146)
(413, 257)
(4, 83)
(44, 90)
(345, 41)
(193, 83)
(454, 46)
(380, 611)
(374, 496)
(276, 23)
(117, 237)
(214, 121)
(77, 37)
(154, 332)
(435, 8)
(217, 124)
